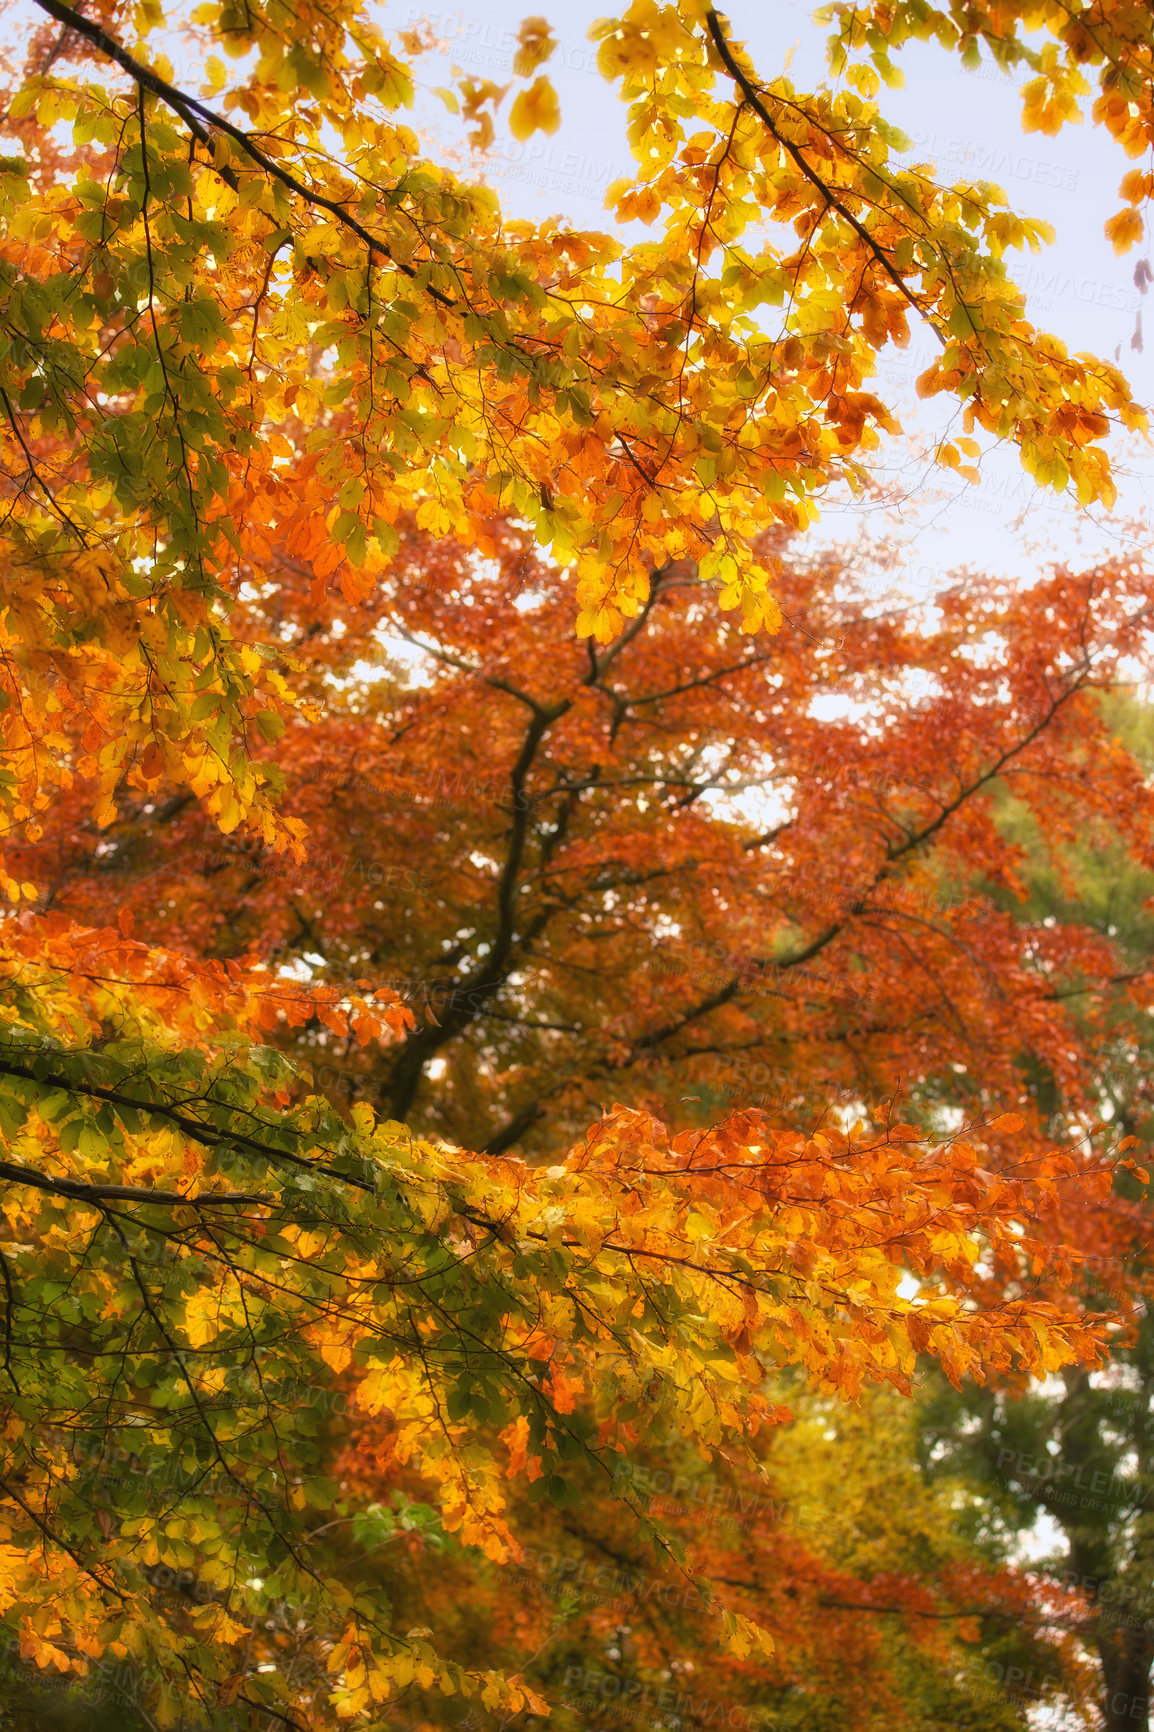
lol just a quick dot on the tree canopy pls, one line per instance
(275, 382)
(271, 311)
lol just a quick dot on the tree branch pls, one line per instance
(198, 118)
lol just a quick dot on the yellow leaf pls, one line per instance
(220, 1625)
(335, 1352)
(740, 1635)
(535, 110)
(536, 43)
(1125, 230)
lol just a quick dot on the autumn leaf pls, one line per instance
(535, 44)
(535, 110)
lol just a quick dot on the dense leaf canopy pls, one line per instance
(276, 384)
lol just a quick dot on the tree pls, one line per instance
(533, 725)
(1078, 1450)
(882, 1612)
(218, 329)
(676, 867)
(189, 1267)
(230, 358)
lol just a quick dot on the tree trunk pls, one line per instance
(1126, 1656)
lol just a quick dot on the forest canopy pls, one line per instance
(593, 1168)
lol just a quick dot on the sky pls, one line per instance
(966, 123)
